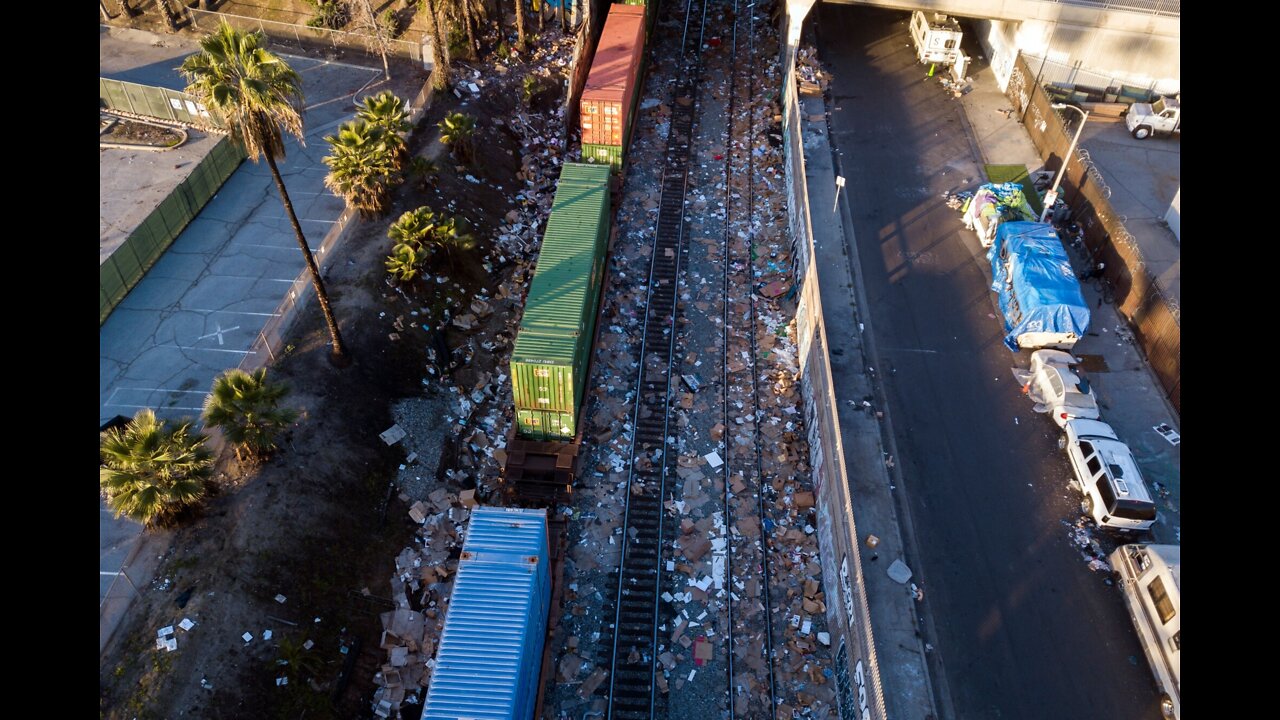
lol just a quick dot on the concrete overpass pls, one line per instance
(1091, 42)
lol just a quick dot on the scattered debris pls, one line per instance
(392, 435)
(899, 572)
(1168, 433)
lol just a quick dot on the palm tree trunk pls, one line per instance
(339, 356)
(466, 23)
(166, 12)
(439, 45)
(542, 15)
(520, 43)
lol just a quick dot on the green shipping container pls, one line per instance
(610, 155)
(553, 346)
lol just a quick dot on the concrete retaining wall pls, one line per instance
(120, 272)
(858, 682)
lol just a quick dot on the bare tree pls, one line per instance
(376, 34)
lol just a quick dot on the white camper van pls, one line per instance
(936, 37)
(1149, 578)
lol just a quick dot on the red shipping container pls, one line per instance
(615, 73)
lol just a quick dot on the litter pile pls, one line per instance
(476, 404)
(716, 556)
(473, 413)
(811, 80)
(420, 590)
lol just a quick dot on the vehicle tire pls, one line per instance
(1086, 506)
(1062, 441)
(1142, 132)
(1166, 706)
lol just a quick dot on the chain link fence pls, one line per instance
(1153, 314)
(305, 36)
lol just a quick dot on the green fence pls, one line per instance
(156, 102)
(153, 236)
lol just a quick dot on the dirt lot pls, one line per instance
(321, 522)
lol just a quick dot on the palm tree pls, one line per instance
(151, 472)
(451, 235)
(166, 12)
(362, 166)
(457, 131)
(424, 171)
(437, 27)
(521, 45)
(392, 115)
(246, 408)
(410, 233)
(406, 261)
(467, 22)
(414, 226)
(257, 96)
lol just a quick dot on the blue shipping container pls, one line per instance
(490, 655)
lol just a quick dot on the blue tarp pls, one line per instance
(1032, 277)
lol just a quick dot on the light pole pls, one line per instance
(1052, 195)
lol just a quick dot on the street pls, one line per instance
(1024, 627)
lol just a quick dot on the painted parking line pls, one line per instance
(233, 312)
(117, 400)
(207, 349)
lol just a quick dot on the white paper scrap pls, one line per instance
(266, 634)
(248, 637)
(280, 599)
(186, 624)
(166, 630)
(713, 458)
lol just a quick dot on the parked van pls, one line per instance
(1149, 577)
(1115, 495)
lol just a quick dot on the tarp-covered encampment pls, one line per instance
(995, 203)
(1038, 292)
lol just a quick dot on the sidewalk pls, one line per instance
(894, 619)
(1130, 396)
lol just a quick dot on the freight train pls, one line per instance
(551, 359)
(491, 647)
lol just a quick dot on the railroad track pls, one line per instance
(751, 680)
(632, 693)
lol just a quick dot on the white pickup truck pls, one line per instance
(1162, 116)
